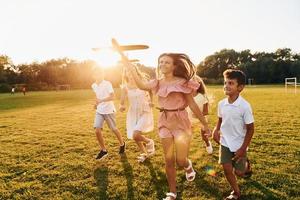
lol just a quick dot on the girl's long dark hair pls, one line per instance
(202, 88)
(185, 68)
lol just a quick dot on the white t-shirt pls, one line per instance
(103, 90)
(234, 116)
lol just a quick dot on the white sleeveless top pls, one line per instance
(139, 115)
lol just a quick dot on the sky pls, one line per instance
(38, 30)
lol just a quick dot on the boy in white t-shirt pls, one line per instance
(236, 124)
(105, 111)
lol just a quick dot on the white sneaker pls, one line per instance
(142, 157)
(209, 149)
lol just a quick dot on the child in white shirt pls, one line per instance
(236, 124)
(105, 111)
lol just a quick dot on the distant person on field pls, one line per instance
(234, 131)
(12, 90)
(105, 111)
(24, 91)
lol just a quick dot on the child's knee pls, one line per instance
(135, 136)
(239, 173)
(170, 162)
(181, 162)
(115, 130)
(227, 169)
(97, 130)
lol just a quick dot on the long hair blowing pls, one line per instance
(184, 67)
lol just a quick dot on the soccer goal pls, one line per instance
(250, 81)
(63, 87)
(291, 82)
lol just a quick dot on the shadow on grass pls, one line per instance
(101, 177)
(157, 180)
(129, 176)
(267, 193)
(211, 190)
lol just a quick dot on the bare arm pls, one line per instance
(109, 98)
(123, 96)
(151, 99)
(122, 100)
(205, 109)
(242, 151)
(196, 110)
(216, 131)
(249, 135)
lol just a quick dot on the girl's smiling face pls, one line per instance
(166, 65)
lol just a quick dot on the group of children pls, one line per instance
(178, 88)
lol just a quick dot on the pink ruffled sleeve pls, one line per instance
(192, 85)
(181, 86)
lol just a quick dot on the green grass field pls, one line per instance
(47, 150)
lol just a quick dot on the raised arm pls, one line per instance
(139, 82)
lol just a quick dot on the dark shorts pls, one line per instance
(226, 157)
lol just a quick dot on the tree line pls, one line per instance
(261, 67)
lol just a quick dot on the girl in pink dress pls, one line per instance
(174, 89)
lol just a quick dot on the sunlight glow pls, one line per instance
(106, 58)
(66, 33)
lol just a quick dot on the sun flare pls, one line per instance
(106, 58)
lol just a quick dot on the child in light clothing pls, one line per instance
(174, 89)
(139, 116)
(105, 111)
(201, 99)
(236, 125)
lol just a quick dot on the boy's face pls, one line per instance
(231, 87)
(98, 75)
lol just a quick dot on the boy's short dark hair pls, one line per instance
(235, 74)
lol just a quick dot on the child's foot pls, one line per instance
(233, 196)
(150, 147)
(142, 157)
(102, 154)
(122, 149)
(170, 196)
(209, 148)
(190, 173)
